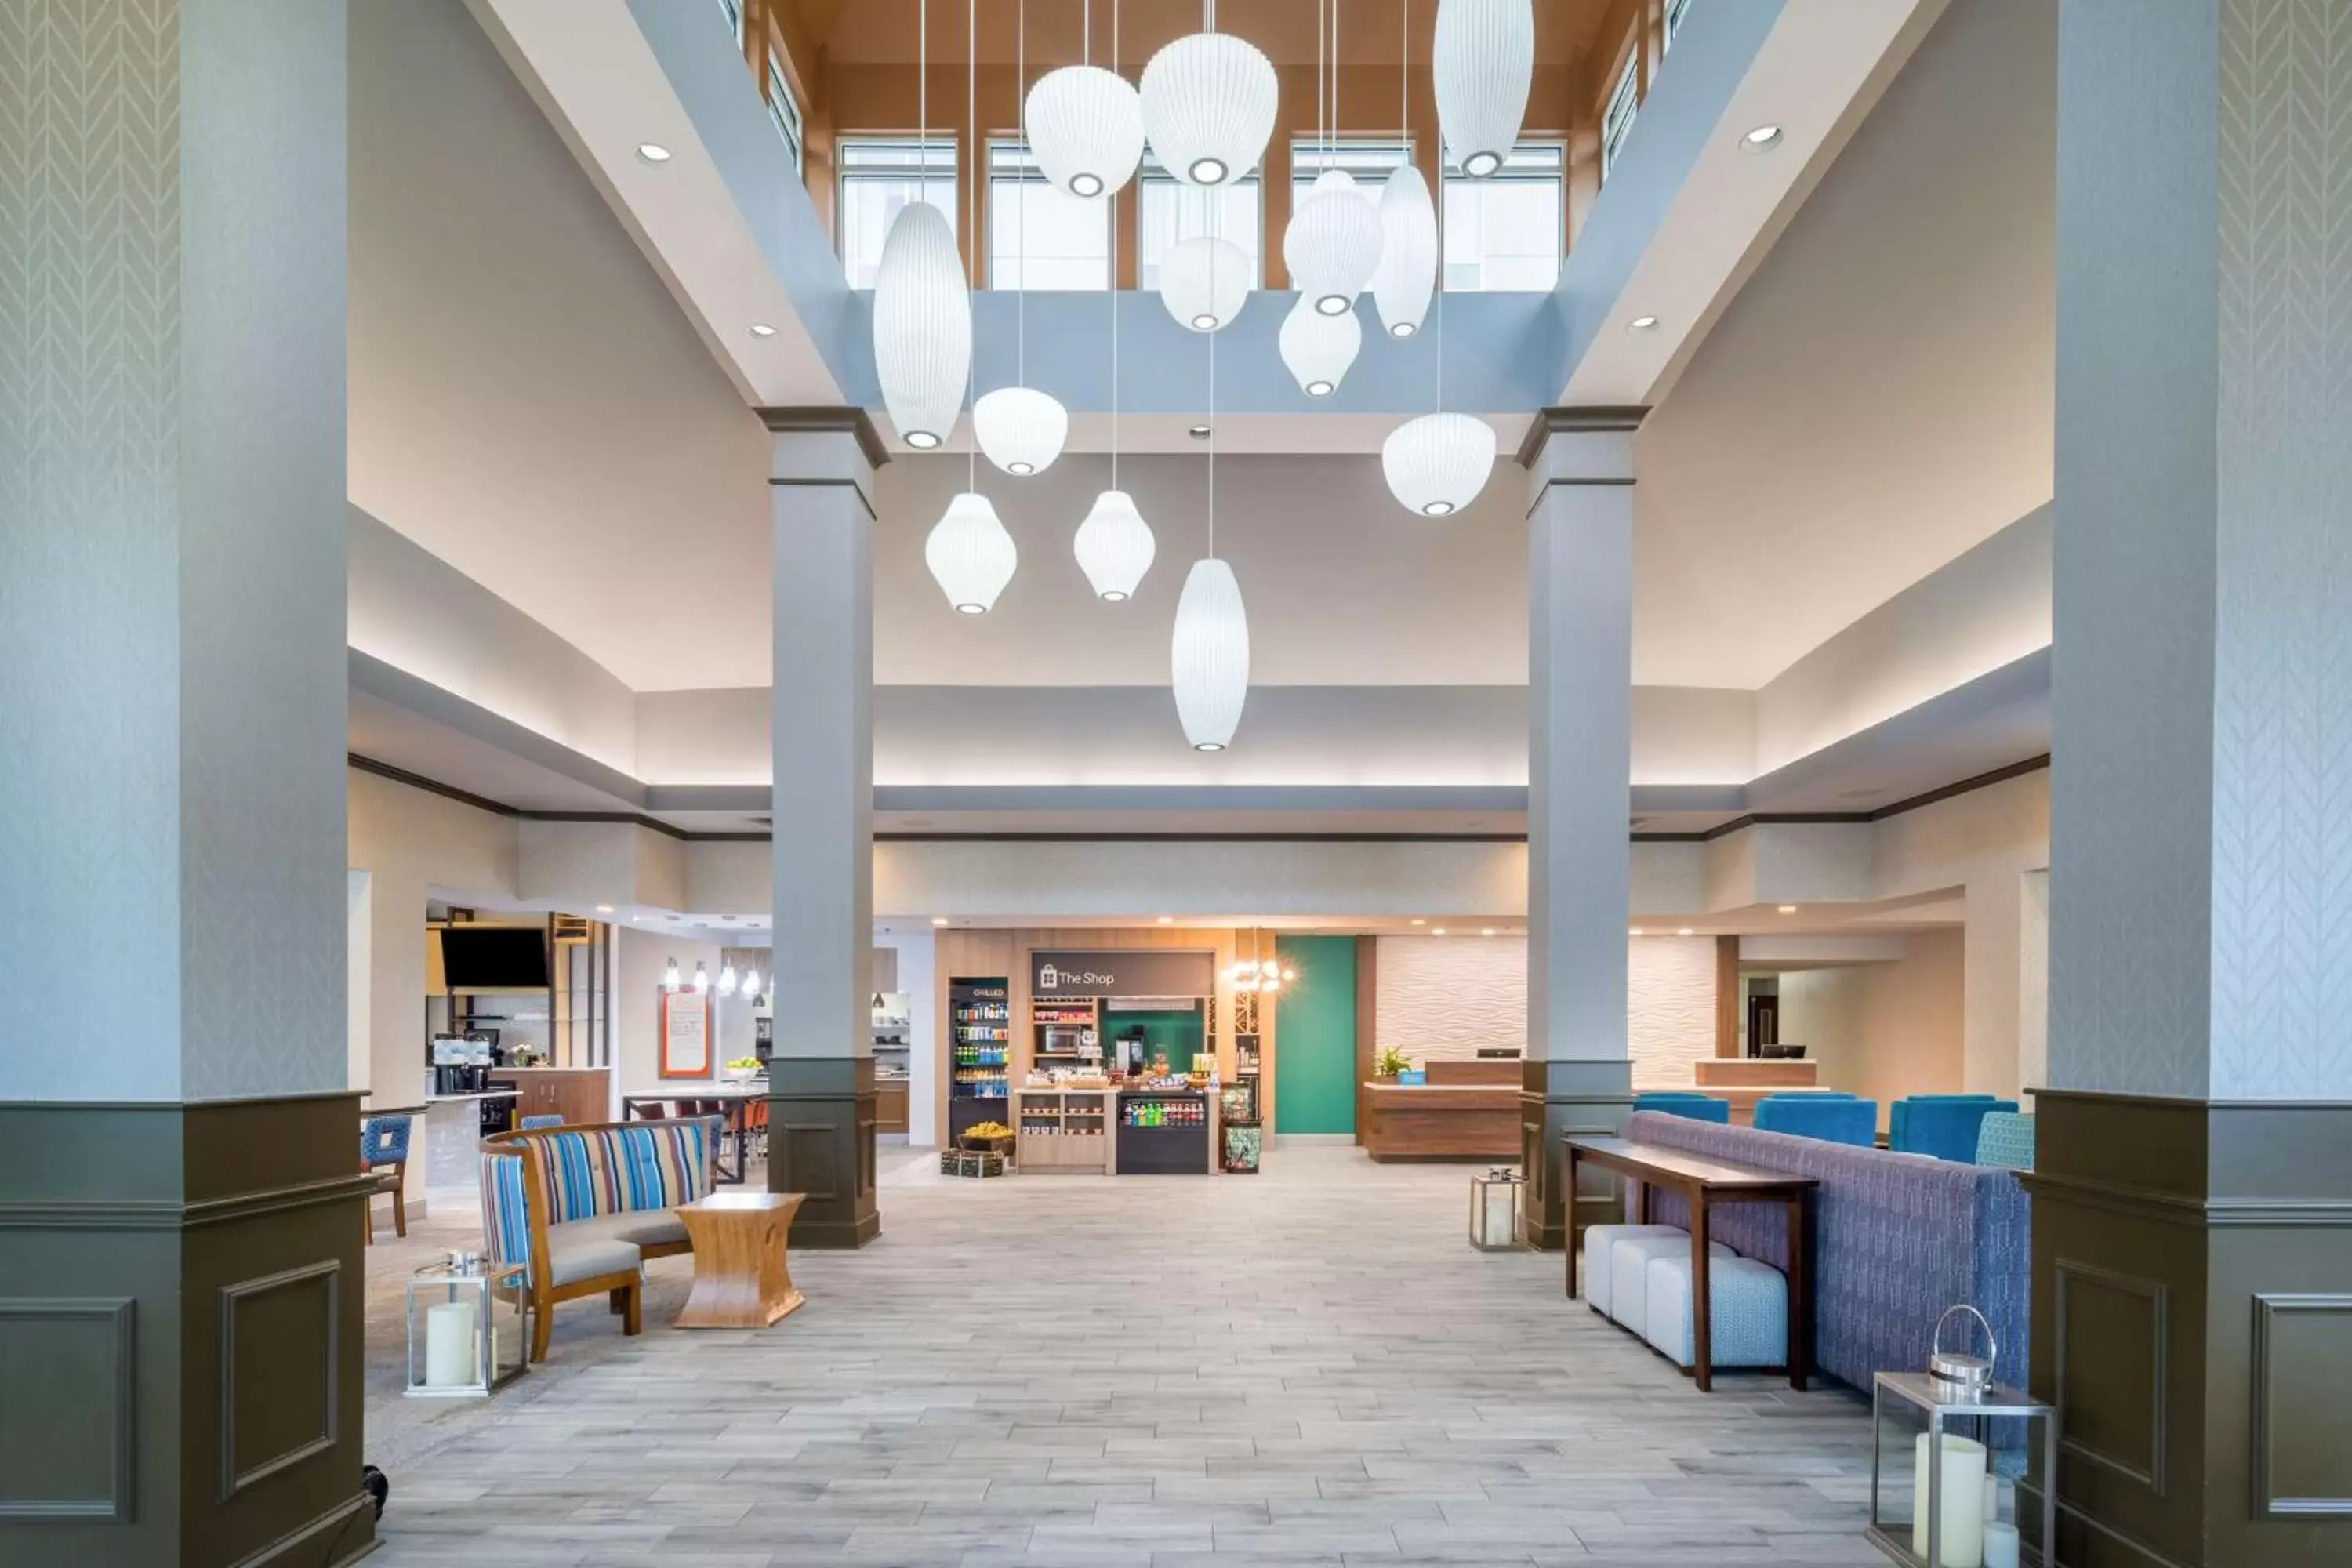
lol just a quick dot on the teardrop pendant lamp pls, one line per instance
(1114, 546)
(1204, 283)
(1408, 270)
(1085, 125)
(970, 555)
(1210, 658)
(1317, 349)
(1332, 245)
(1209, 102)
(922, 309)
(1437, 464)
(1483, 58)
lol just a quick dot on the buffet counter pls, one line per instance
(1123, 1129)
(1467, 1111)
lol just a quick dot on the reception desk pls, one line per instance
(1744, 1080)
(1467, 1111)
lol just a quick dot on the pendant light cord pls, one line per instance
(971, 139)
(1213, 446)
(923, 101)
(1113, 291)
(1020, 218)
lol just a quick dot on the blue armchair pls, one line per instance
(1942, 1125)
(1833, 1119)
(2005, 1139)
(1685, 1104)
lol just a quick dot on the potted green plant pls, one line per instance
(1389, 1063)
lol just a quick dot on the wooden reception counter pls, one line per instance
(1744, 1080)
(1467, 1111)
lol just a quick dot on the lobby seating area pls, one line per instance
(1824, 1114)
(1896, 1239)
(583, 1207)
(1942, 1125)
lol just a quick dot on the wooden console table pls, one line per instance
(740, 1280)
(1705, 1183)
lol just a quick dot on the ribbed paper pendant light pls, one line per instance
(1408, 268)
(1085, 125)
(1115, 546)
(1211, 655)
(1483, 58)
(923, 307)
(1317, 349)
(1208, 105)
(1204, 281)
(970, 555)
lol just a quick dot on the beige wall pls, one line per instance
(639, 960)
(1885, 1030)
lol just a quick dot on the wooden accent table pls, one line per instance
(1705, 1183)
(740, 1277)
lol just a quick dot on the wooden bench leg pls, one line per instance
(619, 1297)
(399, 1202)
(633, 1321)
(542, 1324)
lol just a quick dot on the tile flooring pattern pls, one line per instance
(1307, 1367)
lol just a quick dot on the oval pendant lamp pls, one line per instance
(1403, 282)
(1204, 283)
(1317, 349)
(922, 327)
(1332, 245)
(1482, 58)
(1086, 126)
(1437, 464)
(1208, 106)
(970, 555)
(1209, 657)
(1114, 546)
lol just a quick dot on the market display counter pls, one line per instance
(1166, 1132)
(1062, 1129)
(1468, 1110)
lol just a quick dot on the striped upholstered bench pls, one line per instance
(583, 1207)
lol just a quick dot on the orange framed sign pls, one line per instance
(685, 1034)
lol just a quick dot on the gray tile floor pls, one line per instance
(1306, 1367)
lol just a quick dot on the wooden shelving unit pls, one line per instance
(1062, 1129)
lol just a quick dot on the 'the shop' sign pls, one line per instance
(1123, 971)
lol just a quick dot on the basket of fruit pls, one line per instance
(988, 1138)
(742, 1070)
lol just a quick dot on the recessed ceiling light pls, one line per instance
(1788, 909)
(1198, 432)
(1643, 324)
(1636, 930)
(1761, 139)
(761, 330)
(1437, 930)
(938, 920)
(1168, 920)
(653, 152)
(1419, 921)
(1488, 932)
(603, 909)
(1682, 931)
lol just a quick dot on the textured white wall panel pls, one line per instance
(1670, 1007)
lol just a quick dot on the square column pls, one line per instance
(1578, 1076)
(2192, 1196)
(181, 1208)
(820, 1068)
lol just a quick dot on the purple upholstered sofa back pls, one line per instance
(1898, 1238)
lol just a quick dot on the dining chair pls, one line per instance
(383, 1145)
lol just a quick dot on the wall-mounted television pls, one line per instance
(494, 958)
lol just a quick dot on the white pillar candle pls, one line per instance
(449, 1335)
(1992, 1497)
(1962, 1542)
(2001, 1546)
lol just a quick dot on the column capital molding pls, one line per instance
(847, 420)
(1550, 421)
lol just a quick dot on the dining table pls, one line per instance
(735, 1100)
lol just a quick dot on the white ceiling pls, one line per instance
(529, 403)
(1879, 398)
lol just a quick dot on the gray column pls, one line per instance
(1579, 1074)
(180, 1211)
(2192, 1224)
(821, 1076)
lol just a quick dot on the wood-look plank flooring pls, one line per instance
(1309, 1366)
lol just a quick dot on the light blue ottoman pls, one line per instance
(1629, 1266)
(1746, 1300)
(1598, 1240)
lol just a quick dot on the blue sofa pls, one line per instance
(1682, 1103)
(1832, 1118)
(1942, 1125)
(1896, 1239)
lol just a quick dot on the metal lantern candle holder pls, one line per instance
(1498, 1201)
(1954, 1517)
(468, 1327)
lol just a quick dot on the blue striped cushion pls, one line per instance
(506, 1217)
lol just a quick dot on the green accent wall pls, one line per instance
(1314, 1036)
(1179, 1033)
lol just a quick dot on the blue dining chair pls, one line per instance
(383, 1145)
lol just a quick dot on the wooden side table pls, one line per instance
(740, 1280)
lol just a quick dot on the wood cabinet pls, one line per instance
(579, 1095)
(890, 1107)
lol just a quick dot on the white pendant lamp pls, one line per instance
(922, 327)
(1208, 106)
(1115, 546)
(1317, 349)
(1020, 429)
(1437, 464)
(1332, 245)
(1407, 274)
(971, 556)
(670, 978)
(1204, 283)
(1211, 655)
(1086, 126)
(701, 981)
(726, 978)
(1484, 56)
(751, 981)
